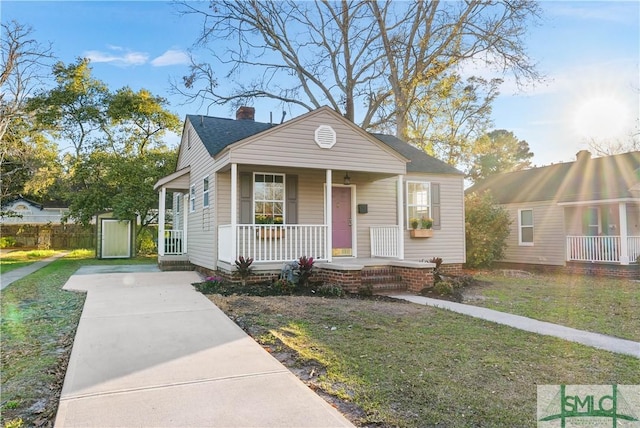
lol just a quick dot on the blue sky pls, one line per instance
(589, 51)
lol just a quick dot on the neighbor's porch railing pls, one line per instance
(173, 242)
(601, 248)
(273, 242)
(384, 241)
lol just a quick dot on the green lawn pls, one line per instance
(18, 259)
(602, 305)
(407, 365)
(39, 321)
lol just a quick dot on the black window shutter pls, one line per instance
(435, 205)
(291, 193)
(246, 198)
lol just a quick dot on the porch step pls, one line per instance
(175, 265)
(382, 280)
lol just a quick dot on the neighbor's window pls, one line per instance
(205, 192)
(268, 198)
(525, 226)
(192, 198)
(418, 201)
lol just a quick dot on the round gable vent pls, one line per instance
(325, 136)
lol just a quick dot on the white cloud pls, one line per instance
(123, 58)
(171, 57)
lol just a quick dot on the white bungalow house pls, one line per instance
(316, 186)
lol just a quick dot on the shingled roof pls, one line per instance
(587, 179)
(217, 133)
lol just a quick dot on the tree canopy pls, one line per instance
(369, 60)
(499, 151)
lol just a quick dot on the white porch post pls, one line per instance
(329, 217)
(400, 210)
(624, 241)
(161, 209)
(234, 210)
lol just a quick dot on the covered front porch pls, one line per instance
(603, 232)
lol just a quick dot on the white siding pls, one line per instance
(548, 235)
(202, 228)
(292, 144)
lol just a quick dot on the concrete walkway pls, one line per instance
(12, 276)
(151, 351)
(601, 341)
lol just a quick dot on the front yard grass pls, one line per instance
(39, 321)
(602, 305)
(17, 259)
(407, 365)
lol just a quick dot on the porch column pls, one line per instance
(400, 211)
(234, 210)
(161, 209)
(624, 240)
(329, 217)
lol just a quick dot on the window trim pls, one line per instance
(192, 198)
(284, 193)
(407, 205)
(205, 192)
(521, 226)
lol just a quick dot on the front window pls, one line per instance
(268, 198)
(525, 226)
(205, 192)
(192, 198)
(418, 201)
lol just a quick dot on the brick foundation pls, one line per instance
(631, 271)
(349, 280)
(453, 269)
(415, 278)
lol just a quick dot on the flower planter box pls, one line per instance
(421, 233)
(270, 233)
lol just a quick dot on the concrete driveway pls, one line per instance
(151, 351)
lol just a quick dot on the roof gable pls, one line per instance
(604, 178)
(220, 134)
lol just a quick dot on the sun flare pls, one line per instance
(601, 118)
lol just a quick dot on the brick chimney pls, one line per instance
(246, 113)
(583, 155)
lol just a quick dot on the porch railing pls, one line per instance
(384, 241)
(601, 248)
(633, 244)
(273, 243)
(173, 242)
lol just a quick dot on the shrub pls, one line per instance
(210, 285)
(366, 290)
(330, 290)
(436, 270)
(243, 268)
(145, 242)
(7, 242)
(444, 287)
(283, 286)
(487, 229)
(305, 269)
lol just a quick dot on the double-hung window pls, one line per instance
(418, 201)
(205, 192)
(268, 198)
(192, 198)
(525, 227)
